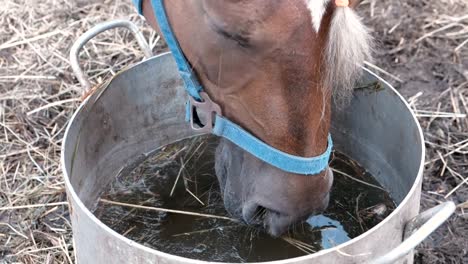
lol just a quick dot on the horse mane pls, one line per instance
(349, 45)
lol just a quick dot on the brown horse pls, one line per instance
(271, 66)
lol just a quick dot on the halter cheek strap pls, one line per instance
(200, 105)
(139, 6)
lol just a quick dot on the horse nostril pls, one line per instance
(253, 214)
(272, 221)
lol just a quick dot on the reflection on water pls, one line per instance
(186, 170)
(332, 232)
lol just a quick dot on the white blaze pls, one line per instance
(317, 9)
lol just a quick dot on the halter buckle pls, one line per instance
(202, 115)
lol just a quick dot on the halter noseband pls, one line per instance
(200, 103)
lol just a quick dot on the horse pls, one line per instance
(273, 67)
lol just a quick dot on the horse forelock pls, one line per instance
(317, 9)
(348, 45)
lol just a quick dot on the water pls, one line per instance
(354, 208)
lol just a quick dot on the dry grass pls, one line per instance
(424, 46)
(157, 209)
(38, 94)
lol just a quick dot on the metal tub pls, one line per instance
(142, 108)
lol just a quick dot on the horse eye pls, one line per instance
(241, 39)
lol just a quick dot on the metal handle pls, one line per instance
(81, 41)
(418, 229)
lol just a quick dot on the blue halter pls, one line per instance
(200, 104)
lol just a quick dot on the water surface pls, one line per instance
(354, 208)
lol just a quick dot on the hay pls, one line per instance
(38, 94)
(157, 209)
(423, 47)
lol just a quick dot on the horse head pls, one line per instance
(273, 67)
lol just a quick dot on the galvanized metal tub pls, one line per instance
(142, 108)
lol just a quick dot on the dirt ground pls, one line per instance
(422, 50)
(424, 45)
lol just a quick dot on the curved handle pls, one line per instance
(81, 41)
(418, 229)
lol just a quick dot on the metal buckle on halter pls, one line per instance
(202, 114)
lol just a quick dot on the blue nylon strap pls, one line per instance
(139, 6)
(192, 85)
(227, 129)
(287, 162)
